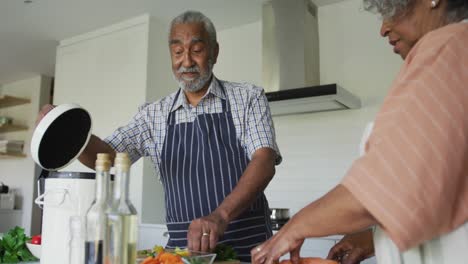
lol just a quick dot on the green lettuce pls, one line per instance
(13, 247)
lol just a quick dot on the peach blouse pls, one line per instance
(414, 176)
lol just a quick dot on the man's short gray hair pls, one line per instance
(457, 10)
(197, 17)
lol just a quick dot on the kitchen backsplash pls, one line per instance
(317, 151)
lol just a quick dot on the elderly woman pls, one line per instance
(412, 181)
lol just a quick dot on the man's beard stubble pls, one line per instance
(196, 84)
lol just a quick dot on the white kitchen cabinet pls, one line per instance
(110, 72)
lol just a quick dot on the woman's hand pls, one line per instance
(287, 240)
(354, 248)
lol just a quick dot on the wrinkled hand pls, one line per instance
(204, 232)
(354, 248)
(43, 112)
(287, 240)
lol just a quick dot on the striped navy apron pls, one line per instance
(201, 163)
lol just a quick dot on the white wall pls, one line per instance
(20, 173)
(352, 52)
(240, 54)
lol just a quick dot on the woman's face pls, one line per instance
(407, 27)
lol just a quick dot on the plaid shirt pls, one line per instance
(144, 134)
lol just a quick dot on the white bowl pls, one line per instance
(35, 249)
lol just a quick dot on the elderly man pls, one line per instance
(212, 142)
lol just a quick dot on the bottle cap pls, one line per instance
(122, 161)
(103, 162)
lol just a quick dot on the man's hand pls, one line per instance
(354, 248)
(43, 112)
(204, 232)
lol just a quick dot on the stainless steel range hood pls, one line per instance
(311, 99)
(291, 61)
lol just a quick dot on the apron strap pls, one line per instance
(170, 117)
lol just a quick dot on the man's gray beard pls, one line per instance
(196, 84)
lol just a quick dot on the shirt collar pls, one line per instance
(214, 89)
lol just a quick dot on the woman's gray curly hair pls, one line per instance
(457, 10)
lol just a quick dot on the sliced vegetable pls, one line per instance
(158, 255)
(182, 252)
(164, 258)
(158, 249)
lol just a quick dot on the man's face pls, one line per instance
(191, 55)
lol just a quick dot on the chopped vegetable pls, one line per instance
(144, 253)
(13, 247)
(36, 240)
(182, 252)
(158, 249)
(225, 253)
(164, 258)
(177, 256)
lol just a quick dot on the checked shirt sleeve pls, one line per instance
(134, 137)
(260, 129)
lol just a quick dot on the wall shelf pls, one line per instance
(12, 128)
(7, 101)
(4, 155)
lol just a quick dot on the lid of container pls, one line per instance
(73, 175)
(61, 136)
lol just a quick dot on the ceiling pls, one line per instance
(30, 32)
